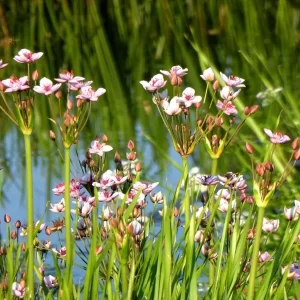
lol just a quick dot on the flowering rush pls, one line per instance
(46, 87)
(2, 65)
(26, 56)
(87, 93)
(15, 84)
(157, 82)
(277, 137)
(67, 76)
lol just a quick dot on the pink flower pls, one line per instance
(107, 196)
(294, 272)
(270, 225)
(46, 87)
(157, 198)
(227, 107)
(75, 189)
(59, 189)
(98, 148)
(26, 56)
(188, 97)
(84, 209)
(176, 70)
(208, 75)
(224, 205)
(2, 65)
(157, 82)
(58, 207)
(135, 228)
(262, 257)
(232, 80)
(67, 76)
(171, 108)
(87, 93)
(79, 85)
(224, 194)
(18, 290)
(227, 93)
(291, 213)
(50, 281)
(15, 84)
(278, 137)
(145, 186)
(131, 195)
(62, 252)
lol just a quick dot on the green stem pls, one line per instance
(68, 236)
(30, 227)
(214, 167)
(254, 259)
(186, 192)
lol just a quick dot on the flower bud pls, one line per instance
(35, 75)
(269, 166)
(23, 247)
(249, 148)
(52, 135)
(297, 154)
(2, 87)
(131, 156)
(98, 250)
(251, 234)
(7, 218)
(253, 109)
(138, 167)
(247, 110)
(260, 169)
(216, 85)
(18, 224)
(214, 140)
(219, 121)
(104, 138)
(48, 230)
(69, 104)
(130, 145)
(13, 235)
(295, 143)
(58, 94)
(79, 103)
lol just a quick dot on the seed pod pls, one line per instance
(249, 148)
(260, 169)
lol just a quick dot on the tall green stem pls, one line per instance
(214, 167)
(68, 235)
(186, 196)
(30, 227)
(254, 259)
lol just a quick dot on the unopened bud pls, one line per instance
(48, 230)
(105, 138)
(216, 85)
(214, 140)
(136, 212)
(7, 218)
(114, 223)
(2, 87)
(117, 157)
(249, 148)
(52, 135)
(79, 103)
(260, 169)
(23, 247)
(269, 166)
(176, 212)
(23, 283)
(18, 224)
(131, 156)
(98, 250)
(130, 145)
(253, 109)
(219, 121)
(69, 104)
(247, 110)
(295, 143)
(13, 235)
(58, 94)
(251, 234)
(297, 154)
(35, 75)
(138, 167)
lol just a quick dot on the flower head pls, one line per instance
(67, 76)
(157, 82)
(208, 75)
(228, 94)
(232, 80)
(270, 225)
(188, 97)
(227, 107)
(278, 137)
(26, 56)
(18, 290)
(50, 281)
(87, 93)
(98, 148)
(15, 84)
(171, 108)
(207, 179)
(2, 65)
(46, 87)
(58, 207)
(175, 74)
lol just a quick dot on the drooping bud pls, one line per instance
(249, 148)
(35, 75)
(18, 224)
(260, 169)
(295, 143)
(117, 157)
(52, 135)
